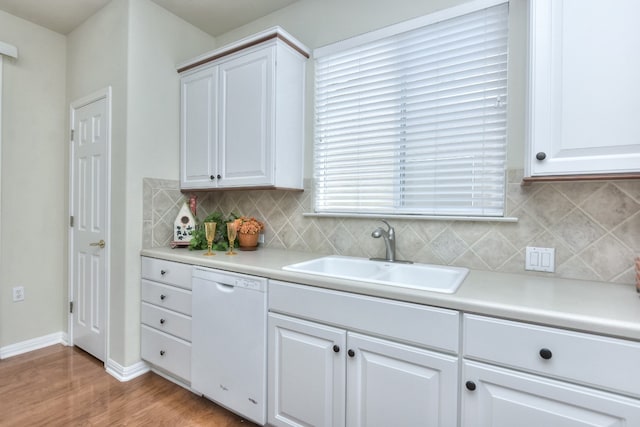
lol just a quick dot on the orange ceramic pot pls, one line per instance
(247, 242)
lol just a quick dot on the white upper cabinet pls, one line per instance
(242, 115)
(584, 90)
(246, 119)
(197, 142)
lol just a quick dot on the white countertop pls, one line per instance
(600, 307)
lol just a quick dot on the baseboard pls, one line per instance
(126, 373)
(174, 380)
(34, 344)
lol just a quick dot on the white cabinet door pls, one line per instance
(496, 397)
(197, 127)
(246, 106)
(583, 88)
(391, 384)
(306, 373)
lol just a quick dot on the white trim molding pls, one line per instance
(34, 344)
(126, 373)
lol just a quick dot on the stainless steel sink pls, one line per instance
(428, 277)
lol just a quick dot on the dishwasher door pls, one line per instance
(229, 339)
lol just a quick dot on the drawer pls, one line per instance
(172, 273)
(425, 326)
(166, 296)
(169, 353)
(593, 360)
(167, 321)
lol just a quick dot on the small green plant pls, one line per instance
(221, 241)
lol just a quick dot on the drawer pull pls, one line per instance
(163, 272)
(545, 353)
(162, 321)
(351, 353)
(336, 348)
(471, 386)
(162, 297)
(161, 352)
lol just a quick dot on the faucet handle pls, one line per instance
(391, 232)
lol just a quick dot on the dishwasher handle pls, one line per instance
(224, 287)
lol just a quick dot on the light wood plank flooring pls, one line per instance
(64, 386)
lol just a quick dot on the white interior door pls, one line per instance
(90, 223)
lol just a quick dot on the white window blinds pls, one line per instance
(414, 123)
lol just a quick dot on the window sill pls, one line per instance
(416, 217)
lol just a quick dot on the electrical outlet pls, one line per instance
(260, 238)
(18, 293)
(540, 259)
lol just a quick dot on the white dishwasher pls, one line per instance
(228, 340)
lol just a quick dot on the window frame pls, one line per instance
(389, 32)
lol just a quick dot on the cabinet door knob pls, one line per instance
(541, 155)
(471, 386)
(163, 272)
(351, 353)
(545, 353)
(219, 176)
(211, 177)
(162, 297)
(161, 352)
(336, 348)
(162, 321)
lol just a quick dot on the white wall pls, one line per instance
(33, 241)
(318, 23)
(158, 40)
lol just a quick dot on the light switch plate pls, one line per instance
(540, 259)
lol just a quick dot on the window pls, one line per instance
(411, 119)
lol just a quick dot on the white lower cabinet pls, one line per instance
(518, 374)
(343, 359)
(321, 375)
(497, 397)
(306, 373)
(165, 335)
(391, 384)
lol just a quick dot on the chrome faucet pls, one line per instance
(389, 236)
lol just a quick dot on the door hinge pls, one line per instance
(72, 134)
(70, 306)
(71, 221)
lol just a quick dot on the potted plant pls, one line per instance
(221, 240)
(248, 229)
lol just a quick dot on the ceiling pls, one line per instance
(211, 16)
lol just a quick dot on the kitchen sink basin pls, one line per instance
(428, 277)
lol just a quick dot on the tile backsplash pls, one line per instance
(594, 227)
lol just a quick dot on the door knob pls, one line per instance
(101, 243)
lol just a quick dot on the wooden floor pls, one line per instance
(64, 386)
